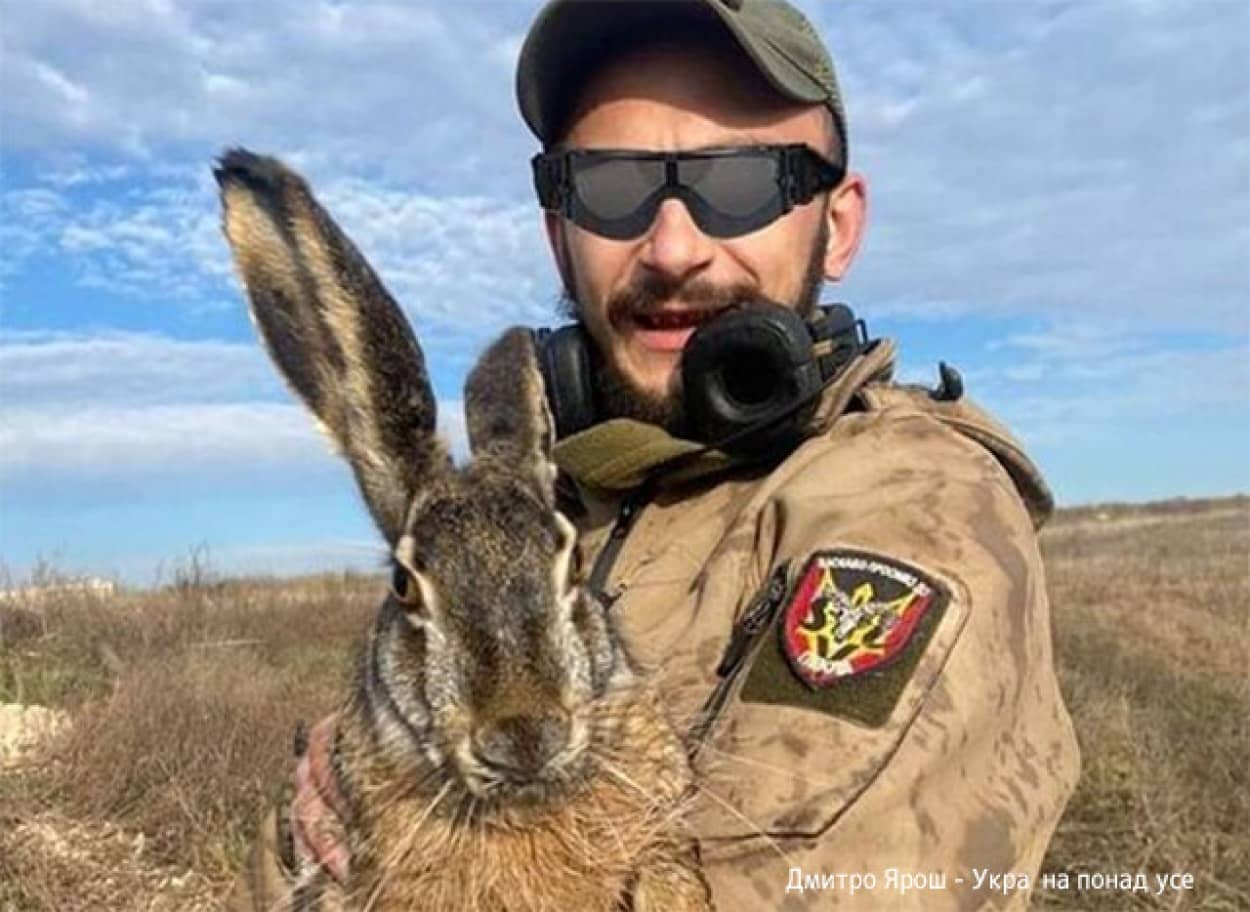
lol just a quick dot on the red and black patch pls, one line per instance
(850, 613)
(849, 638)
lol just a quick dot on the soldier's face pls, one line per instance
(641, 299)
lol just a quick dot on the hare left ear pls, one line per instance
(505, 406)
(334, 332)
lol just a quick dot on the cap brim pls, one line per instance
(570, 35)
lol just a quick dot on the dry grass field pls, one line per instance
(184, 700)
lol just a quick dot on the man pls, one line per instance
(856, 627)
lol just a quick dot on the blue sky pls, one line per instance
(1060, 206)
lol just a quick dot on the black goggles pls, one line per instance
(729, 192)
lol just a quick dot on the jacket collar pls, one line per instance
(621, 454)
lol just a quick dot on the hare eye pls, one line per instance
(406, 590)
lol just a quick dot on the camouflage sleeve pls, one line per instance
(897, 739)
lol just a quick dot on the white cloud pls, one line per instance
(79, 175)
(1074, 342)
(412, 85)
(127, 405)
(1089, 158)
(28, 217)
(463, 267)
(1064, 394)
(452, 427)
(911, 306)
(103, 441)
(67, 370)
(149, 242)
(468, 263)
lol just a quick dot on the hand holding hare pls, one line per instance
(498, 750)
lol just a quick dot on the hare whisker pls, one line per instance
(607, 818)
(405, 846)
(618, 774)
(735, 758)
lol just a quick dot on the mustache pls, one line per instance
(650, 293)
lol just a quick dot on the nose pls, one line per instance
(519, 746)
(675, 247)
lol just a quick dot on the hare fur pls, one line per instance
(499, 750)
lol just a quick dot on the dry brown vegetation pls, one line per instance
(1152, 632)
(185, 701)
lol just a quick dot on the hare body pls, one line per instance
(499, 751)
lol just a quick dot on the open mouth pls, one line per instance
(666, 332)
(670, 320)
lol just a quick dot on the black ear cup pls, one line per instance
(745, 369)
(566, 359)
(750, 378)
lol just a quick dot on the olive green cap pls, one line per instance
(569, 37)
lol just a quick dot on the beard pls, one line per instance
(618, 395)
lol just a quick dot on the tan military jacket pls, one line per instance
(890, 787)
(859, 642)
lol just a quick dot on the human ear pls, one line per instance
(847, 212)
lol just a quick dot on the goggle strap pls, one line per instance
(802, 179)
(791, 192)
(551, 181)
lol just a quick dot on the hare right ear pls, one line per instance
(505, 407)
(334, 332)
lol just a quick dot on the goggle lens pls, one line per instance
(740, 187)
(613, 188)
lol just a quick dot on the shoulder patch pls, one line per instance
(851, 612)
(849, 637)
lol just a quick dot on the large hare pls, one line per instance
(498, 750)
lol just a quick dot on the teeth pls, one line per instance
(673, 320)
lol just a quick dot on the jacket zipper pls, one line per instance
(606, 558)
(754, 621)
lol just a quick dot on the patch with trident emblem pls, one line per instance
(850, 637)
(852, 612)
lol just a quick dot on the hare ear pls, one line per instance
(505, 406)
(334, 332)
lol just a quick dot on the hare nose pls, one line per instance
(522, 744)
